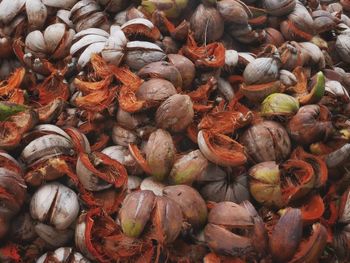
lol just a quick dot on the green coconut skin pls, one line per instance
(135, 212)
(132, 228)
(9, 109)
(279, 104)
(319, 89)
(171, 8)
(186, 169)
(265, 184)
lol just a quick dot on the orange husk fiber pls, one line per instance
(98, 100)
(311, 248)
(301, 88)
(122, 248)
(53, 87)
(115, 174)
(85, 195)
(130, 83)
(98, 226)
(109, 200)
(90, 87)
(225, 122)
(179, 32)
(13, 82)
(10, 252)
(128, 101)
(10, 89)
(133, 249)
(312, 210)
(48, 170)
(106, 242)
(330, 200)
(224, 148)
(77, 140)
(112, 171)
(100, 143)
(97, 95)
(208, 56)
(192, 132)
(235, 105)
(17, 96)
(203, 108)
(200, 96)
(10, 135)
(297, 179)
(317, 163)
(101, 139)
(214, 258)
(143, 31)
(100, 67)
(235, 81)
(297, 33)
(259, 16)
(124, 75)
(136, 153)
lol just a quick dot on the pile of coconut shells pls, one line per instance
(174, 131)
